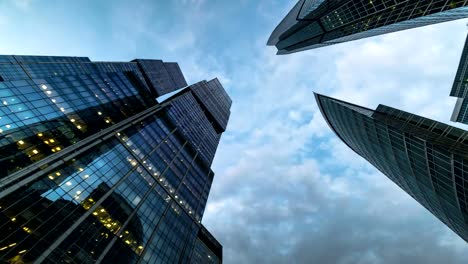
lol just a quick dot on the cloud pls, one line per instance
(23, 4)
(413, 69)
(288, 191)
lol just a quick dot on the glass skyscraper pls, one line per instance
(93, 169)
(317, 23)
(460, 88)
(426, 158)
(207, 249)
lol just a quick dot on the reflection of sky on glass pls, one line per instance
(77, 187)
(334, 207)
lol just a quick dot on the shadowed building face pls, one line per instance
(426, 158)
(317, 23)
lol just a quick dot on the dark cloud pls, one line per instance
(292, 220)
(288, 191)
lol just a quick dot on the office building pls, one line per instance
(95, 170)
(207, 249)
(425, 158)
(460, 89)
(317, 23)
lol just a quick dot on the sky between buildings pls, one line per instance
(286, 189)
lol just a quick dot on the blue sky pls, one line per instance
(286, 189)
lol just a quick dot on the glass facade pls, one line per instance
(460, 88)
(161, 76)
(207, 249)
(94, 169)
(203, 125)
(317, 23)
(425, 158)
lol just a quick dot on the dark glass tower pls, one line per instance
(95, 170)
(317, 23)
(207, 249)
(460, 89)
(427, 159)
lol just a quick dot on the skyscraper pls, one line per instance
(460, 89)
(95, 170)
(207, 249)
(426, 158)
(317, 23)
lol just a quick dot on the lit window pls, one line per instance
(72, 120)
(8, 126)
(21, 142)
(51, 140)
(68, 183)
(35, 151)
(44, 87)
(48, 92)
(99, 113)
(39, 135)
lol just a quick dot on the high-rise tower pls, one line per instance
(317, 23)
(460, 88)
(93, 169)
(426, 158)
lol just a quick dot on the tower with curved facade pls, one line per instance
(316, 23)
(94, 169)
(425, 158)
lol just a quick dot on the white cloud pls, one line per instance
(286, 188)
(291, 172)
(412, 70)
(23, 4)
